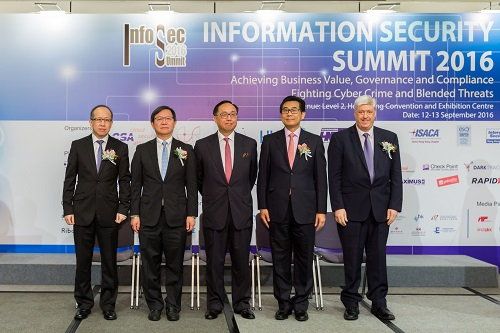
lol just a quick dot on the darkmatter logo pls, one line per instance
(170, 42)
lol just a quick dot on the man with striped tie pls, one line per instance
(163, 210)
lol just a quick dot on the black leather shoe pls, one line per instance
(301, 315)
(154, 315)
(282, 315)
(383, 313)
(211, 314)
(247, 314)
(109, 315)
(82, 314)
(351, 313)
(172, 314)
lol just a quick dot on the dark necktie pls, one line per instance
(368, 151)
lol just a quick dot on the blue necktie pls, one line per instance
(98, 159)
(368, 151)
(164, 159)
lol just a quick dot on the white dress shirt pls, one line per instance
(96, 145)
(222, 146)
(296, 135)
(159, 149)
(362, 138)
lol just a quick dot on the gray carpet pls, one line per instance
(51, 309)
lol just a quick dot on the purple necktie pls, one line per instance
(368, 151)
(98, 159)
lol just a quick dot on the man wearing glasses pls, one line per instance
(163, 210)
(92, 204)
(227, 169)
(291, 191)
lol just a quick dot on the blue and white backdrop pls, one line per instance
(435, 77)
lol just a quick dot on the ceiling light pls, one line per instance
(384, 8)
(49, 7)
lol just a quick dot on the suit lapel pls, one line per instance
(109, 146)
(303, 138)
(377, 152)
(281, 138)
(154, 156)
(91, 153)
(237, 154)
(357, 147)
(216, 156)
(171, 158)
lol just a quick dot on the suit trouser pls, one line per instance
(371, 236)
(84, 237)
(156, 241)
(286, 237)
(217, 242)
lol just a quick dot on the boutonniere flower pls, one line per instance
(110, 155)
(388, 147)
(181, 154)
(304, 150)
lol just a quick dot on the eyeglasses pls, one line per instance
(161, 119)
(225, 115)
(102, 120)
(292, 110)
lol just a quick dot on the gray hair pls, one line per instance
(365, 100)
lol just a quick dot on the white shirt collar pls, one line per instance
(160, 141)
(95, 138)
(221, 137)
(360, 132)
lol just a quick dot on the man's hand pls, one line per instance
(190, 223)
(341, 217)
(264, 216)
(391, 216)
(120, 218)
(135, 223)
(69, 219)
(320, 221)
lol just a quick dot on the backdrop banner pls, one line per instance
(435, 77)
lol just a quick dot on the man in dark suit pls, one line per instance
(364, 170)
(163, 210)
(292, 191)
(92, 204)
(227, 169)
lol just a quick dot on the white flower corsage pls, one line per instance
(181, 154)
(304, 150)
(110, 155)
(388, 147)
